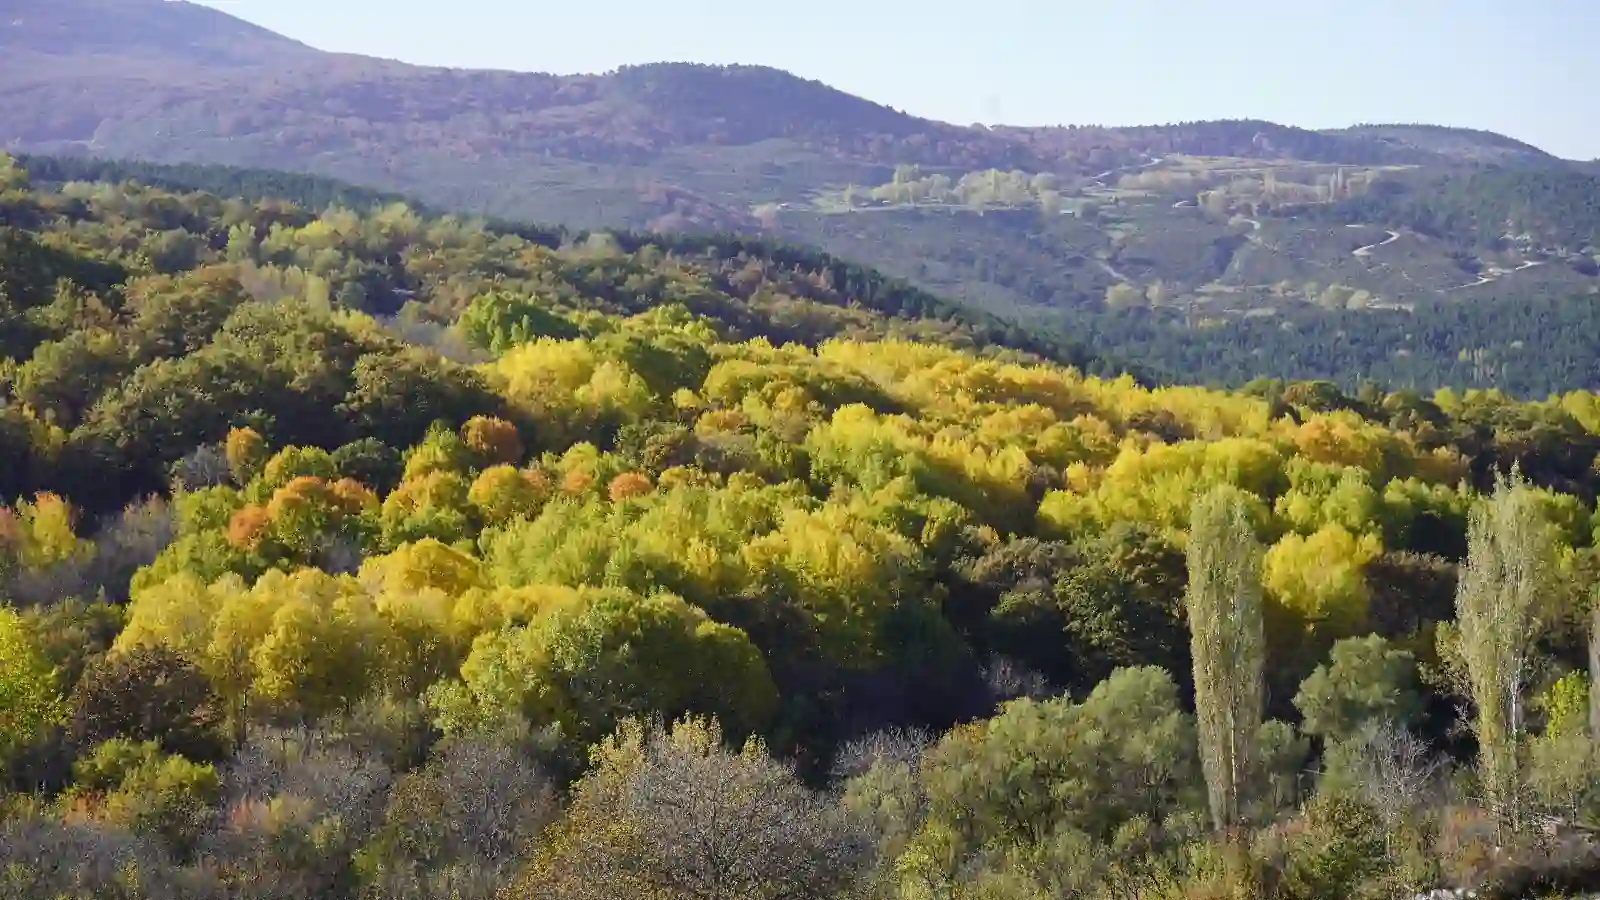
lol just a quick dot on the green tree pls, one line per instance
(1366, 680)
(1066, 794)
(1511, 558)
(1594, 668)
(136, 786)
(604, 656)
(29, 703)
(1224, 601)
(1124, 607)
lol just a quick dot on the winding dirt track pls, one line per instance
(1367, 250)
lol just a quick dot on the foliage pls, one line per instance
(1365, 681)
(1225, 620)
(1510, 562)
(673, 812)
(147, 694)
(28, 699)
(346, 602)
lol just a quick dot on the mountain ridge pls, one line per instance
(162, 33)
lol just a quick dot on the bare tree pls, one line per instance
(205, 466)
(1008, 680)
(890, 746)
(676, 813)
(457, 829)
(42, 858)
(1392, 769)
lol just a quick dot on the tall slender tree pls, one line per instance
(1594, 669)
(1224, 603)
(1511, 558)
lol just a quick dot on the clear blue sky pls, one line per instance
(1527, 68)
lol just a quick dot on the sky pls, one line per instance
(1525, 68)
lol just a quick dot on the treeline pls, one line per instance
(1250, 138)
(310, 191)
(846, 283)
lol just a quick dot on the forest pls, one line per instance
(1547, 208)
(356, 552)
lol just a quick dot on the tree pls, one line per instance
(1224, 601)
(28, 700)
(605, 655)
(247, 453)
(1511, 557)
(147, 694)
(675, 813)
(1594, 669)
(1124, 606)
(456, 827)
(136, 786)
(1061, 795)
(1366, 681)
(1389, 768)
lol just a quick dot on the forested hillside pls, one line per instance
(1324, 330)
(1209, 252)
(364, 554)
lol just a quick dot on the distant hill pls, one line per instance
(170, 33)
(1468, 144)
(1246, 138)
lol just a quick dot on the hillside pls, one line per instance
(1469, 144)
(1399, 252)
(361, 554)
(1322, 330)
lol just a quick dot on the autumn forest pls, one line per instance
(354, 551)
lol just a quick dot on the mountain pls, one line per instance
(1458, 143)
(1196, 232)
(167, 34)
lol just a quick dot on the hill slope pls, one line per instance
(1199, 226)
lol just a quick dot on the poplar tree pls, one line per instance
(1511, 556)
(1224, 603)
(1594, 669)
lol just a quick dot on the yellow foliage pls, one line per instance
(502, 493)
(567, 387)
(843, 574)
(628, 484)
(423, 564)
(1320, 579)
(247, 453)
(41, 533)
(494, 441)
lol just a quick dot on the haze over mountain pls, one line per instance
(1139, 235)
